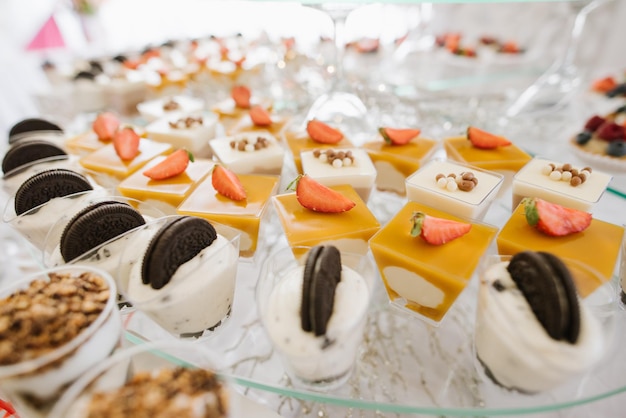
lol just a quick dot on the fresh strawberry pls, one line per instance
(510, 47)
(398, 136)
(437, 231)
(173, 165)
(260, 116)
(126, 143)
(485, 140)
(323, 133)
(105, 125)
(610, 131)
(553, 219)
(594, 123)
(227, 183)
(604, 85)
(315, 196)
(241, 95)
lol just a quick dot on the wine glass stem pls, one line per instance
(339, 33)
(582, 11)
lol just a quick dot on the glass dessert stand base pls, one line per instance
(405, 366)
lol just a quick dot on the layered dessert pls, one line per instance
(315, 314)
(572, 186)
(426, 258)
(604, 238)
(259, 119)
(532, 331)
(395, 159)
(192, 131)
(157, 108)
(186, 291)
(250, 153)
(336, 166)
(59, 323)
(456, 188)
(316, 215)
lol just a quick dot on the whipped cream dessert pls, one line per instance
(516, 348)
(332, 167)
(576, 187)
(191, 131)
(441, 185)
(158, 108)
(250, 153)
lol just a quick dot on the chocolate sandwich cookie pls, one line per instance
(322, 274)
(97, 224)
(179, 240)
(31, 125)
(547, 285)
(26, 152)
(46, 185)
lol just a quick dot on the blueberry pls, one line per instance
(583, 137)
(617, 148)
(620, 90)
(621, 109)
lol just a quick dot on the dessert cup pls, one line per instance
(199, 295)
(134, 363)
(267, 158)
(514, 351)
(154, 109)
(35, 382)
(323, 362)
(191, 131)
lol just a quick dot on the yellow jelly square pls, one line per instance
(509, 158)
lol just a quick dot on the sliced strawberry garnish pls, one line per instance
(604, 85)
(260, 116)
(126, 143)
(610, 131)
(485, 140)
(553, 219)
(594, 123)
(241, 95)
(227, 183)
(398, 136)
(323, 133)
(105, 125)
(315, 196)
(173, 165)
(437, 231)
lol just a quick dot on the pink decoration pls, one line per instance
(49, 36)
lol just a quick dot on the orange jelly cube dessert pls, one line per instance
(299, 141)
(507, 158)
(427, 279)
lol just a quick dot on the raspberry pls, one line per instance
(594, 123)
(610, 131)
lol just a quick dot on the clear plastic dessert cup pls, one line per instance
(66, 327)
(323, 362)
(152, 378)
(12, 180)
(199, 295)
(514, 351)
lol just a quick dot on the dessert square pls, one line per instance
(598, 246)
(504, 158)
(191, 131)
(441, 184)
(335, 166)
(299, 140)
(546, 179)
(394, 163)
(168, 193)
(245, 124)
(349, 231)
(422, 278)
(245, 216)
(229, 113)
(250, 153)
(157, 108)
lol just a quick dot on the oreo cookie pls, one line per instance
(322, 274)
(97, 224)
(547, 285)
(26, 152)
(31, 125)
(46, 185)
(179, 240)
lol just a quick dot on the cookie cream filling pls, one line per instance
(515, 347)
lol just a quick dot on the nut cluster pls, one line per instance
(335, 158)
(176, 392)
(171, 104)
(250, 145)
(466, 181)
(49, 314)
(187, 123)
(567, 173)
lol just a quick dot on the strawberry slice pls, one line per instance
(126, 143)
(227, 183)
(437, 231)
(398, 136)
(105, 125)
(485, 140)
(260, 116)
(241, 95)
(553, 219)
(604, 85)
(323, 133)
(319, 198)
(173, 165)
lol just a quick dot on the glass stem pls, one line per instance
(339, 38)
